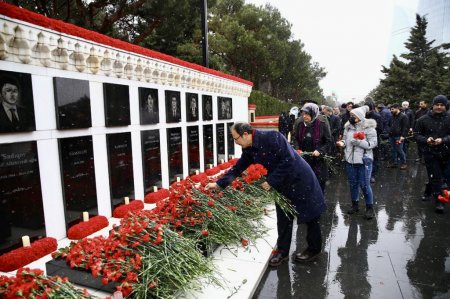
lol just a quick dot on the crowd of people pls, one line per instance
(358, 137)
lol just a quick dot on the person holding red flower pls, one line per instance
(433, 135)
(359, 138)
(288, 174)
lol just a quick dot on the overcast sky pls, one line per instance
(349, 38)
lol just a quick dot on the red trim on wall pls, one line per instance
(267, 116)
(265, 124)
(60, 26)
(251, 105)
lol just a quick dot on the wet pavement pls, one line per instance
(404, 252)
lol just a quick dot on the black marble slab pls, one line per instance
(117, 104)
(230, 140)
(193, 136)
(151, 159)
(175, 153)
(120, 164)
(208, 145)
(220, 142)
(21, 208)
(73, 103)
(78, 276)
(78, 177)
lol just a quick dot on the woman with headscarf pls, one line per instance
(359, 138)
(313, 137)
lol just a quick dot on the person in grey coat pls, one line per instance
(359, 138)
(288, 174)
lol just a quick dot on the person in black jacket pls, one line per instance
(423, 109)
(373, 114)
(411, 121)
(433, 133)
(398, 129)
(314, 137)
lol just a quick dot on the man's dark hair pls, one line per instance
(5, 79)
(241, 128)
(395, 105)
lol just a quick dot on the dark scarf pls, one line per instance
(316, 134)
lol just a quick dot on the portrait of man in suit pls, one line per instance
(148, 102)
(192, 107)
(16, 111)
(207, 108)
(173, 107)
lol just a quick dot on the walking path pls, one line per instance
(404, 252)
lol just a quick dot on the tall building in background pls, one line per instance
(403, 19)
(437, 13)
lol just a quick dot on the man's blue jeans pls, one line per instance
(359, 176)
(397, 151)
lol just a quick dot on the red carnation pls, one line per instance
(85, 228)
(205, 232)
(154, 197)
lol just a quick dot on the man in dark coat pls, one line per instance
(433, 134)
(398, 129)
(423, 109)
(288, 174)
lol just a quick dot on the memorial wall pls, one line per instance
(86, 120)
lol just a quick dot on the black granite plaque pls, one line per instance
(193, 149)
(191, 106)
(220, 142)
(230, 140)
(78, 177)
(78, 276)
(151, 159)
(207, 107)
(16, 102)
(173, 106)
(225, 108)
(21, 210)
(73, 103)
(175, 149)
(208, 145)
(117, 105)
(120, 163)
(149, 108)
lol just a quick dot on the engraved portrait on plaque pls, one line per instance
(225, 108)
(191, 106)
(173, 106)
(149, 108)
(207, 107)
(16, 102)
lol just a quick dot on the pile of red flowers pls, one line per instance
(225, 165)
(201, 178)
(212, 171)
(86, 228)
(32, 283)
(122, 210)
(23, 256)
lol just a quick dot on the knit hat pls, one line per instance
(440, 99)
(312, 109)
(360, 112)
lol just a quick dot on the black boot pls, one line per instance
(354, 209)
(369, 212)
